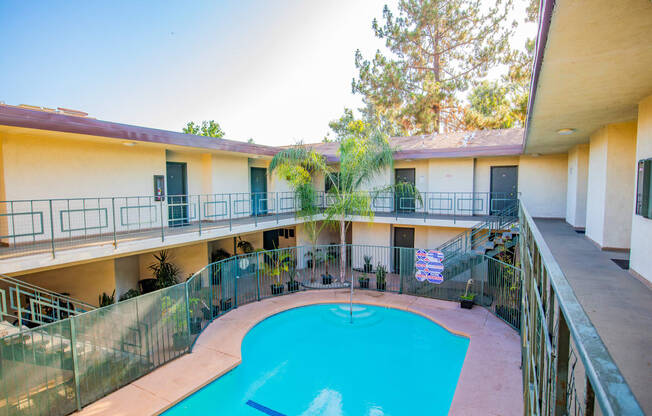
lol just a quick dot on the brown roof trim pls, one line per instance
(545, 17)
(42, 120)
(472, 151)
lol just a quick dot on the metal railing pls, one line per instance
(59, 367)
(51, 225)
(566, 367)
(26, 305)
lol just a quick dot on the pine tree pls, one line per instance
(438, 49)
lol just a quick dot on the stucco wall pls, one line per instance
(482, 179)
(641, 240)
(450, 175)
(43, 166)
(126, 271)
(612, 153)
(84, 282)
(578, 173)
(189, 259)
(542, 185)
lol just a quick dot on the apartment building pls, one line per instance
(113, 195)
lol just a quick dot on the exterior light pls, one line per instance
(129, 144)
(565, 132)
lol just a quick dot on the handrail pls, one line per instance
(42, 226)
(611, 390)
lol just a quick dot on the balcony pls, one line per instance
(57, 231)
(577, 354)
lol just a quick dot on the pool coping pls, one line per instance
(218, 351)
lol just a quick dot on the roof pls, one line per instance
(479, 143)
(499, 142)
(591, 69)
(17, 116)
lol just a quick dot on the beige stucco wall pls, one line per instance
(189, 259)
(578, 174)
(42, 166)
(612, 153)
(450, 175)
(127, 274)
(542, 185)
(84, 282)
(641, 240)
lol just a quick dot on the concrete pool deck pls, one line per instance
(490, 382)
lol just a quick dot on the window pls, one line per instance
(644, 189)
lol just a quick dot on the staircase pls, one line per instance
(468, 249)
(23, 305)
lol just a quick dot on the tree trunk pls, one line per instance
(342, 249)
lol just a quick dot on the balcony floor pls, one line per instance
(618, 304)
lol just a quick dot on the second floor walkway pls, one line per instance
(41, 233)
(617, 303)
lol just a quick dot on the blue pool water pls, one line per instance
(312, 361)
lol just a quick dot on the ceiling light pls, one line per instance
(129, 144)
(565, 132)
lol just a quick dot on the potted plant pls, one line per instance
(225, 304)
(381, 274)
(275, 266)
(329, 256)
(293, 285)
(174, 316)
(131, 293)
(164, 271)
(367, 267)
(363, 280)
(105, 300)
(467, 299)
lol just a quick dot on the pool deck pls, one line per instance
(490, 382)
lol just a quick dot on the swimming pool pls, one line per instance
(313, 361)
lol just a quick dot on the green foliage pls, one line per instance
(381, 273)
(105, 300)
(490, 107)
(209, 128)
(219, 254)
(131, 293)
(163, 270)
(280, 261)
(245, 246)
(438, 48)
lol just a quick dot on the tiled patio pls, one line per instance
(489, 384)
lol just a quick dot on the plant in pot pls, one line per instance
(328, 257)
(105, 300)
(363, 280)
(276, 264)
(381, 274)
(367, 267)
(164, 271)
(293, 285)
(467, 299)
(173, 315)
(131, 293)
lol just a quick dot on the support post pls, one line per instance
(115, 235)
(75, 366)
(230, 219)
(258, 273)
(188, 314)
(162, 228)
(561, 381)
(199, 212)
(52, 228)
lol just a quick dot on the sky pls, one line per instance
(275, 71)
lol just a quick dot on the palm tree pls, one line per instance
(364, 153)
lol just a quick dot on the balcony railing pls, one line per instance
(566, 367)
(49, 225)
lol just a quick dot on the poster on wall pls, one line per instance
(429, 266)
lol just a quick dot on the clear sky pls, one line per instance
(275, 71)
